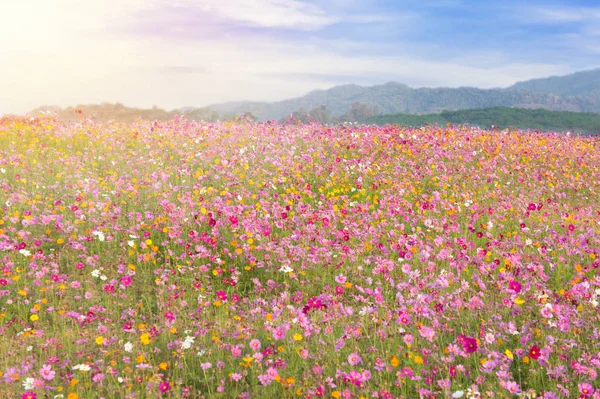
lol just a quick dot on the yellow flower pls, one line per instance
(509, 354)
(145, 339)
(519, 301)
(34, 317)
(297, 337)
(60, 241)
(336, 394)
(395, 361)
(100, 340)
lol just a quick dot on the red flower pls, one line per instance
(534, 352)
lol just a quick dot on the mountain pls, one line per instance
(586, 83)
(579, 92)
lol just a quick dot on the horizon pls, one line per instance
(149, 53)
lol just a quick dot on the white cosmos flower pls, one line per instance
(458, 394)
(25, 252)
(28, 383)
(128, 346)
(99, 234)
(187, 343)
(286, 269)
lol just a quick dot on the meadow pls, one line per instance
(232, 260)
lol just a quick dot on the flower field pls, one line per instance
(229, 260)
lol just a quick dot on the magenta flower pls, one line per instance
(222, 295)
(515, 286)
(164, 386)
(586, 389)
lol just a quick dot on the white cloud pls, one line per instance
(559, 15)
(66, 52)
(265, 13)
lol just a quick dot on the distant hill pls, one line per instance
(578, 92)
(586, 83)
(501, 117)
(122, 113)
(562, 95)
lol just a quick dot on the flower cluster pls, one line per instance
(232, 260)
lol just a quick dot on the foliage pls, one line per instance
(502, 117)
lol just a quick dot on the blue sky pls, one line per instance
(174, 53)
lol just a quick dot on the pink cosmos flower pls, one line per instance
(427, 333)
(279, 333)
(354, 359)
(126, 281)
(47, 373)
(255, 345)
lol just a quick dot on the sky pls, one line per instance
(178, 53)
